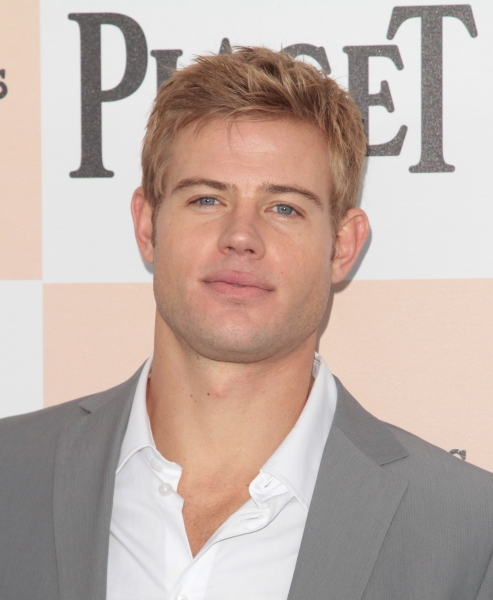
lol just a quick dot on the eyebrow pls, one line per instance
(196, 181)
(266, 188)
(290, 189)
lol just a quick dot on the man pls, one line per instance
(233, 464)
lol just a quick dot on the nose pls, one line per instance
(241, 234)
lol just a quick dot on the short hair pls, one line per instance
(256, 84)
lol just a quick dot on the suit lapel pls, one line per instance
(85, 465)
(352, 507)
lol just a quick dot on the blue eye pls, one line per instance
(284, 209)
(207, 201)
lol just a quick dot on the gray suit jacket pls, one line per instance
(392, 517)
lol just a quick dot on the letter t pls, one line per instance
(432, 160)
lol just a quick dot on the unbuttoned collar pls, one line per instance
(296, 461)
(138, 434)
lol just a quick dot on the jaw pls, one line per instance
(232, 330)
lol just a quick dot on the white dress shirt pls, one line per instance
(253, 554)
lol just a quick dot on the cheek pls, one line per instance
(306, 265)
(169, 255)
(180, 250)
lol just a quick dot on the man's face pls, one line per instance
(243, 240)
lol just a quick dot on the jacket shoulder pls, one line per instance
(427, 460)
(33, 453)
(396, 448)
(435, 477)
(34, 427)
(37, 432)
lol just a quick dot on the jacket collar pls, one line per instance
(354, 502)
(371, 436)
(85, 465)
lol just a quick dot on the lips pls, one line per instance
(238, 284)
(238, 278)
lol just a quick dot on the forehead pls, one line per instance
(277, 151)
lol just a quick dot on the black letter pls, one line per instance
(432, 160)
(318, 54)
(358, 58)
(166, 61)
(91, 93)
(225, 47)
(3, 88)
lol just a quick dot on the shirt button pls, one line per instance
(157, 465)
(165, 489)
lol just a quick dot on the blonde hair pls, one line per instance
(256, 84)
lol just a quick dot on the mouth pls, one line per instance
(238, 285)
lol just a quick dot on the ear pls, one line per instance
(142, 217)
(351, 236)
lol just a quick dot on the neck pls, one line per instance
(211, 416)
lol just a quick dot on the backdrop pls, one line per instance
(410, 333)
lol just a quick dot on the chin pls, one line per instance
(236, 348)
(235, 354)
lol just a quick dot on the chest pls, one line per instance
(248, 553)
(208, 503)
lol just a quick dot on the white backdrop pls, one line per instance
(425, 225)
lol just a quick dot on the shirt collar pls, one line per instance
(138, 434)
(296, 461)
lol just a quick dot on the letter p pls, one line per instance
(92, 96)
